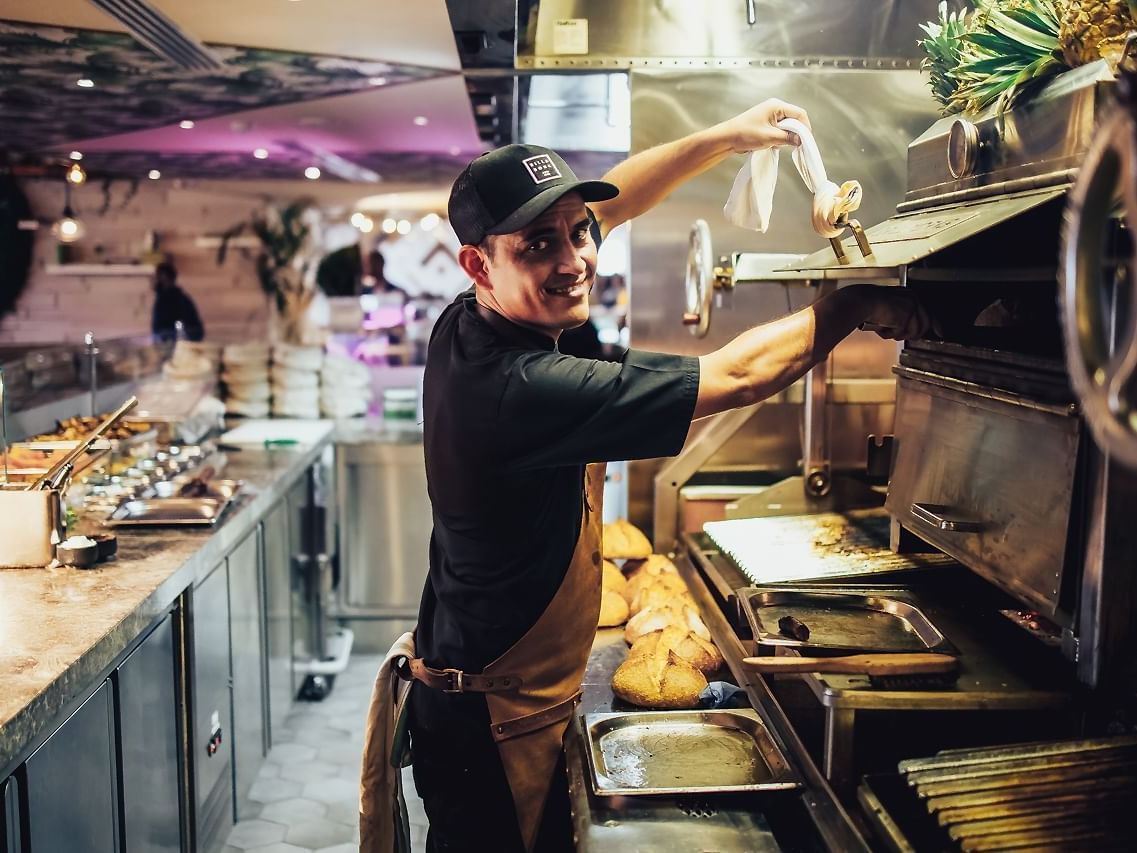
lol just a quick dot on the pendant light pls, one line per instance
(68, 228)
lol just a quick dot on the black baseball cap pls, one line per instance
(507, 188)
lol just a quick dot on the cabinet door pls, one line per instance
(212, 703)
(246, 626)
(278, 615)
(10, 830)
(72, 783)
(147, 698)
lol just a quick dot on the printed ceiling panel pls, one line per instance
(41, 104)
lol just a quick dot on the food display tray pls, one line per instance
(841, 621)
(221, 490)
(683, 752)
(167, 512)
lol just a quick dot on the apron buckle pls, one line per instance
(453, 681)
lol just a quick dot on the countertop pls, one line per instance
(61, 628)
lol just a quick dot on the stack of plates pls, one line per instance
(245, 374)
(296, 381)
(345, 387)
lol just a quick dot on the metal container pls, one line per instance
(222, 490)
(167, 512)
(683, 752)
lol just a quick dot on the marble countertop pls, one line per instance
(61, 628)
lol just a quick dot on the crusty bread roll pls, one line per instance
(662, 680)
(643, 572)
(659, 591)
(702, 654)
(613, 609)
(624, 541)
(658, 618)
(613, 578)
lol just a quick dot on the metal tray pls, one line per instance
(222, 490)
(683, 752)
(842, 621)
(166, 512)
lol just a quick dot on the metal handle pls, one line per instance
(751, 13)
(944, 518)
(698, 282)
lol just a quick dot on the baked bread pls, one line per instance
(613, 578)
(624, 541)
(702, 654)
(659, 591)
(642, 572)
(657, 618)
(658, 680)
(613, 609)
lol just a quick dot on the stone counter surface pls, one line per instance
(61, 628)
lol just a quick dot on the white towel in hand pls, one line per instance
(752, 196)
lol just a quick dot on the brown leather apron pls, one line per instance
(529, 724)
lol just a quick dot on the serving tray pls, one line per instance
(168, 512)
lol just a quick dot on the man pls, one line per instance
(172, 305)
(510, 606)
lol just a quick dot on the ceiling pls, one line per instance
(366, 90)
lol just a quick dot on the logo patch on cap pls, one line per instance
(542, 168)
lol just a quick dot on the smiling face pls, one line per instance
(540, 276)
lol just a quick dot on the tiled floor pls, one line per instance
(306, 797)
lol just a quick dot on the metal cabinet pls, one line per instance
(11, 832)
(146, 693)
(278, 615)
(212, 730)
(246, 615)
(72, 785)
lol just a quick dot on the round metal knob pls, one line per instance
(817, 484)
(963, 148)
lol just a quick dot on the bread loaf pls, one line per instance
(658, 592)
(613, 578)
(659, 680)
(613, 609)
(642, 572)
(624, 541)
(700, 653)
(657, 618)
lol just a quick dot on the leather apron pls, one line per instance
(529, 724)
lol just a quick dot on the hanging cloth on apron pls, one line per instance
(532, 689)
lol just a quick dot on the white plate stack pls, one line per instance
(345, 387)
(296, 381)
(244, 371)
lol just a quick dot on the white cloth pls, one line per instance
(383, 824)
(751, 198)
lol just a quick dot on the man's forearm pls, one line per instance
(649, 177)
(769, 358)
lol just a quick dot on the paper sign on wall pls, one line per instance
(570, 35)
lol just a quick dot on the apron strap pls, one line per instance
(507, 729)
(456, 681)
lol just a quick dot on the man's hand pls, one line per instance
(757, 127)
(895, 313)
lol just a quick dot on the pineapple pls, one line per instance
(942, 46)
(1094, 29)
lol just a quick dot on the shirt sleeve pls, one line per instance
(560, 410)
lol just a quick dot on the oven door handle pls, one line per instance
(945, 518)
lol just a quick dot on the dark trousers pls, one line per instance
(459, 776)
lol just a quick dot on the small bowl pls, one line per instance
(78, 558)
(107, 544)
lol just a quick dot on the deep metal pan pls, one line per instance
(841, 621)
(683, 752)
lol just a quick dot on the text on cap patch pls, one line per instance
(541, 168)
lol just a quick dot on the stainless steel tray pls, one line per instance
(842, 621)
(683, 752)
(166, 512)
(222, 490)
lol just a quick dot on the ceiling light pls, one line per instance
(389, 226)
(67, 229)
(185, 124)
(404, 226)
(76, 155)
(260, 153)
(367, 226)
(76, 175)
(377, 81)
(312, 173)
(429, 222)
(154, 174)
(85, 83)
(357, 219)
(422, 121)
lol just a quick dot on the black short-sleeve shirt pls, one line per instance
(509, 425)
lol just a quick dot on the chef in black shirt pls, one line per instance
(172, 305)
(511, 424)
